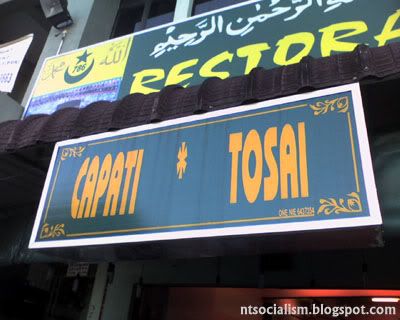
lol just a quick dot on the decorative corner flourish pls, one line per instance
(52, 231)
(350, 205)
(75, 152)
(339, 104)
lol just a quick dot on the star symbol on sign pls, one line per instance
(182, 164)
(83, 57)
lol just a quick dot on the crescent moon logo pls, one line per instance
(68, 78)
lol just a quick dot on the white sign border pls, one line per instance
(374, 219)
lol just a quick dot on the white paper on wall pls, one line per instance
(12, 55)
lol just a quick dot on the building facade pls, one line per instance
(211, 279)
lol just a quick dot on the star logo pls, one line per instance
(80, 70)
(83, 57)
(182, 164)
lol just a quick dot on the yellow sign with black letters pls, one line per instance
(224, 43)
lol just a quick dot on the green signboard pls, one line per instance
(297, 163)
(223, 43)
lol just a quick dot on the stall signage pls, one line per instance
(223, 43)
(292, 164)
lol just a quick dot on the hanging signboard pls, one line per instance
(80, 78)
(292, 164)
(12, 55)
(223, 43)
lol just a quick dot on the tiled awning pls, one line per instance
(213, 94)
(26, 145)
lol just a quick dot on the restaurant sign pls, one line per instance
(224, 43)
(292, 164)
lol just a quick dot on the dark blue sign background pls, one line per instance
(201, 199)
